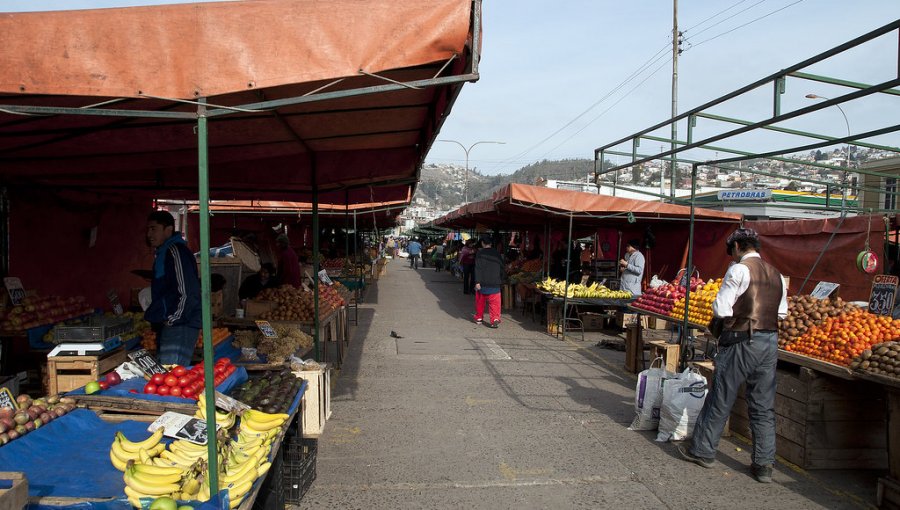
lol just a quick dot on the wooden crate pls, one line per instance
(16, 497)
(253, 308)
(824, 422)
(634, 348)
(670, 353)
(316, 402)
(66, 373)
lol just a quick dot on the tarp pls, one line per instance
(334, 66)
(794, 245)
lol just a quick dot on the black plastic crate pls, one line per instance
(271, 493)
(299, 469)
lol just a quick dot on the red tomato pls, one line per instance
(163, 390)
(171, 380)
(104, 385)
(188, 392)
(222, 361)
(175, 391)
(230, 370)
(218, 380)
(179, 370)
(220, 369)
(158, 379)
(150, 388)
(184, 381)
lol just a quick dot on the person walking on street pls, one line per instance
(467, 262)
(175, 309)
(632, 267)
(752, 298)
(415, 250)
(489, 276)
(438, 257)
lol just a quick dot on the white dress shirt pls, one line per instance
(735, 283)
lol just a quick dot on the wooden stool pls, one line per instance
(670, 353)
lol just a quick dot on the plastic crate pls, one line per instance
(299, 470)
(271, 493)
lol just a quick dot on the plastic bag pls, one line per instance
(656, 282)
(648, 396)
(683, 398)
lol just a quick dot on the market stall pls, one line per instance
(131, 122)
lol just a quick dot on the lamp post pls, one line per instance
(466, 188)
(846, 175)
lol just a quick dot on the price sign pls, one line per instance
(884, 291)
(6, 399)
(229, 404)
(266, 329)
(824, 289)
(182, 426)
(146, 362)
(15, 289)
(323, 275)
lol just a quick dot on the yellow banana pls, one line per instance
(124, 456)
(244, 442)
(144, 456)
(261, 417)
(116, 462)
(151, 489)
(237, 490)
(154, 470)
(134, 497)
(260, 426)
(188, 453)
(133, 446)
(190, 487)
(234, 502)
(188, 446)
(263, 469)
(156, 479)
(177, 459)
(161, 462)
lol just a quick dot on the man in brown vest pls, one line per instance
(752, 298)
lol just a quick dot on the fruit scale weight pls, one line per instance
(86, 348)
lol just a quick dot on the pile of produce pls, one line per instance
(31, 415)
(577, 290)
(342, 291)
(881, 359)
(35, 311)
(297, 304)
(807, 311)
(272, 392)
(187, 383)
(524, 277)
(661, 300)
(277, 350)
(218, 334)
(333, 263)
(163, 474)
(104, 383)
(700, 307)
(842, 338)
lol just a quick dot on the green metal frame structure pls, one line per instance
(777, 82)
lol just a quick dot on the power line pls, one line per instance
(639, 70)
(748, 23)
(713, 16)
(728, 18)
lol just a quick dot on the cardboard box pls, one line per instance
(256, 307)
(216, 303)
(593, 321)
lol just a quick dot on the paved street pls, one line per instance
(456, 415)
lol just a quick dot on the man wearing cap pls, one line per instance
(632, 267)
(288, 263)
(752, 298)
(489, 276)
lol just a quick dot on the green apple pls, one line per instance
(185, 507)
(94, 387)
(163, 503)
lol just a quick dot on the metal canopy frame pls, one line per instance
(777, 82)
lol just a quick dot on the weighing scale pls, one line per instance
(87, 348)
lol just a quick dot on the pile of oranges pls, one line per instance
(700, 308)
(839, 339)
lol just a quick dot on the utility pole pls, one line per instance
(676, 50)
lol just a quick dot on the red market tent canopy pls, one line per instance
(522, 206)
(344, 95)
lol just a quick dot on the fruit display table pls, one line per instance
(552, 305)
(888, 494)
(68, 461)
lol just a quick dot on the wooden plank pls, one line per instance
(847, 458)
(118, 418)
(670, 353)
(16, 497)
(815, 364)
(888, 493)
(893, 439)
(790, 386)
(133, 405)
(846, 434)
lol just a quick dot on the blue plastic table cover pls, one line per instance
(238, 377)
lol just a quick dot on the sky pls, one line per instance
(560, 79)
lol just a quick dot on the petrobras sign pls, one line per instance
(745, 194)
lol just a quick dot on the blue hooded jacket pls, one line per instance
(176, 286)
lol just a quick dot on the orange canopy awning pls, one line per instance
(345, 94)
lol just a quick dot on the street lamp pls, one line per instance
(466, 189)
(845, 182)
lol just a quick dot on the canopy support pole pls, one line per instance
(315, 228)
(685, 329)
(346, 224)
(565, 310)
(547, 231)
(208, 376)
(4, 231)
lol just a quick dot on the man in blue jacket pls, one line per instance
(175, 289)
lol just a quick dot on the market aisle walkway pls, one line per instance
(455, 415)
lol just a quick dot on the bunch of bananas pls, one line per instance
(577, 290)
(181, 472)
